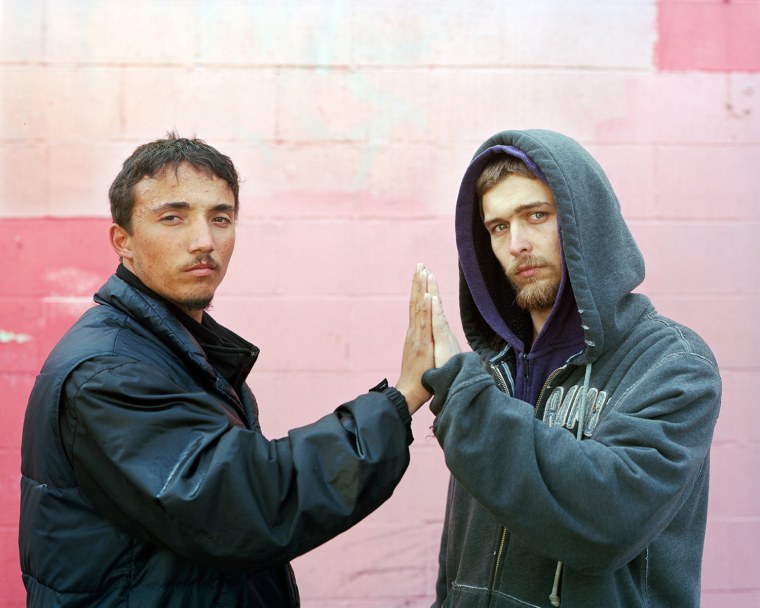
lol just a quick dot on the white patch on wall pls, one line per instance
(69, 305)
(6, 337)
(70, 281)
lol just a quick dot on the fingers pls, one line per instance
(432, 285)
(440, 322)
(419, 288)
(429, 340)
(418, 355)
(445, 342)
(421, 321)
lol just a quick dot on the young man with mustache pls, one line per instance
(146, 480)
(578, 432)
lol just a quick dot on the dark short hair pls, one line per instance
(151, 159)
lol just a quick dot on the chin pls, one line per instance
(198, 302)
(537, 297)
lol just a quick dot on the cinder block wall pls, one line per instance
(351, 122)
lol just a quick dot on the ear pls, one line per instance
(120, 241)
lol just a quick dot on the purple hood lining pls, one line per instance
(471, 237)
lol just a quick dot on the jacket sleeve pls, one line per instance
(593, 504)
(168, 464)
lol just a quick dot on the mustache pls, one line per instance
(206, 260)
(526, 260)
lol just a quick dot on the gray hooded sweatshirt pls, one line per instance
(540, 513)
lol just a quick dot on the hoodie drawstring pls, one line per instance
(582, 408)
(554, 595)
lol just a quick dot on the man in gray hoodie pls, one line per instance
(578, 431)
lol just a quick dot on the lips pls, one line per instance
(201, 271)
(526, 272)
(202, 268)
(527, 267)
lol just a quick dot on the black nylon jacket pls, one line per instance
(167, 493)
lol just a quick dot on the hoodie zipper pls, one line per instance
(500, 379)
(543, 388)
(502, 382)
(506, 384)
(499, 553)
(501, 372)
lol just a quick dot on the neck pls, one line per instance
(539, 320)
(195, 315)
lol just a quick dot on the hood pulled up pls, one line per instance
(602, 263)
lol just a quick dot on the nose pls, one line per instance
(519, 242)
(201, 238)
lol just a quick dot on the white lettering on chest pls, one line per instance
(562, 408)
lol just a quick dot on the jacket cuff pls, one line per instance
(399, 402)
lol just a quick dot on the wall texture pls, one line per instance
(351, 122)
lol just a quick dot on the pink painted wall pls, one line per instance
(351, 122)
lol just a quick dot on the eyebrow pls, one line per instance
(176, 205)
(518, 210)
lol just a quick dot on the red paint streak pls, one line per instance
(32, 251)
(51, 269)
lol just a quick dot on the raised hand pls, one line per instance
(417, 357)
(446, 344)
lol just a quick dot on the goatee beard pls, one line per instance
(197, 303)
(535, 294)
